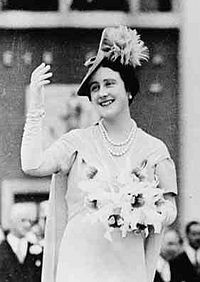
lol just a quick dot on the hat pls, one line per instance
(120, 43)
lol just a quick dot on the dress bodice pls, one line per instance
(93, 154)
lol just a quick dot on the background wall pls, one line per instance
(190, 111)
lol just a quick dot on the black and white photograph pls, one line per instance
(99, 141)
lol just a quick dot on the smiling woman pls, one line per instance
(119, 182)
(108, 93)
(126, 73)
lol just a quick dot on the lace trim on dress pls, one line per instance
(35, 114)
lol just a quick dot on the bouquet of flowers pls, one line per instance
(130, 202)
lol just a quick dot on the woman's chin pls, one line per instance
(108, 112)
(108, 115)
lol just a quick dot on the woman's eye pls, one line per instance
(110, 83)
(94, 88)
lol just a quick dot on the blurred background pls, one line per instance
(64, 33)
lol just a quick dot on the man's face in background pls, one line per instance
(171, 245)
(193, 236)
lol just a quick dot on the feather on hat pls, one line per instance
(116, 42)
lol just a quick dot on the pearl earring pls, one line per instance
(130, 96)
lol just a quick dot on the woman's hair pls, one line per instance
(127, 74)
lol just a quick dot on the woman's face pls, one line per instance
(108, 93)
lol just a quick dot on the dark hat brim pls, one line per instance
(83, 87)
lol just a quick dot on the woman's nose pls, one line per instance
(103, 92)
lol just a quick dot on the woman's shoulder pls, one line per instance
(149, 140)
(78, 134)
(153, 147)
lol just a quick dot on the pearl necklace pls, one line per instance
(117, 149)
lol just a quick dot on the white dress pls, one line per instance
(85, 255)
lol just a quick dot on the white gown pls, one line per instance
(85, 255)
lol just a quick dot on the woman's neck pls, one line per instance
(119, 128)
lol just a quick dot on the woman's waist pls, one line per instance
(81, 225)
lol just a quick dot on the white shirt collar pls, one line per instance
(191, 253)
(14, 243)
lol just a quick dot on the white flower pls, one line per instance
(126, 44)
(35, 249)
(38, 263)
(130, 203)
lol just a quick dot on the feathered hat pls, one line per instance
(116, 43)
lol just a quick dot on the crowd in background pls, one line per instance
(179, 259)
(21, 248)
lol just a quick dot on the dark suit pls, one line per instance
(182, 270)
(13, 271)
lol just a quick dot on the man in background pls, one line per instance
(20, 261)
(186, 266)
(171, 247)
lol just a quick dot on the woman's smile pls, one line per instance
(106, 102)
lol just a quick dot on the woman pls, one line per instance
(92, 167)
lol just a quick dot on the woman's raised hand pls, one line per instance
(39, 78)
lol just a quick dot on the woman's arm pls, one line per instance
(38, 162)
(166, 173)
(168, 209)
(34, 160)
(153, 241)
